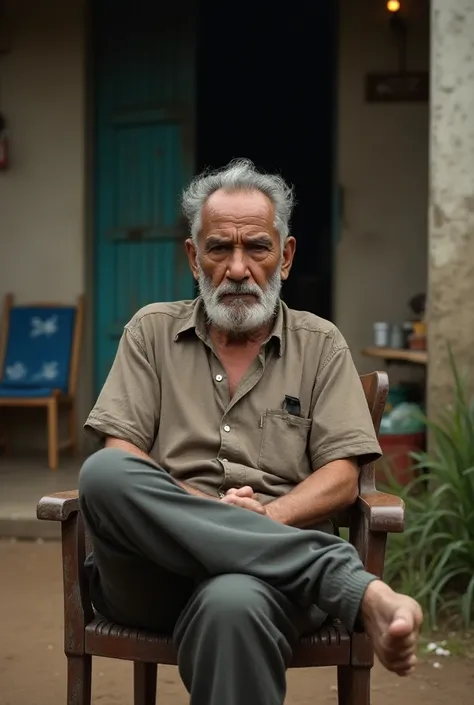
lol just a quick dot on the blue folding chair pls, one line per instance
(39, 360)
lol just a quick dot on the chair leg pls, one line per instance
(79, 680)
(72, 429)
(53, 441)
(353, 685)
(144, 683)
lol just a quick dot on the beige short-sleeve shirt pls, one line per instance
(167, 394)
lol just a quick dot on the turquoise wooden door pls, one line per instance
(144, 89)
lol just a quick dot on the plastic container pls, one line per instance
(397, 337)
(381, 333)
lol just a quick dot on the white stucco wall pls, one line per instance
(42, 90)
(42, 195)
(381, 259)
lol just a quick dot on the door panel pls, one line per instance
(144, 157)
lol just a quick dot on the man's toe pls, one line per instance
(402, 626)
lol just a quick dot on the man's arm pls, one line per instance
(342, 438)
(126, 415)
(111, 442)
(328, 490)
(243, 497)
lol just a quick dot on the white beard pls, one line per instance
(240, 316)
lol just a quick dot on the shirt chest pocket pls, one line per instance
(284, 444)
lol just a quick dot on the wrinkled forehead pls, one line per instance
(238, 209)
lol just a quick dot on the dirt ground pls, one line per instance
(32, 665)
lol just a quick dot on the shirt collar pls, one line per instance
(197, 323)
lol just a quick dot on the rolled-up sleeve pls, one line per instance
(129, 404)
(341, 422)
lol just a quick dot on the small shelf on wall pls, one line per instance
(417, 357)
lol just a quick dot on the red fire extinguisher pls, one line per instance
(3, 144)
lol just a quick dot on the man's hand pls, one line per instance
(244, 497)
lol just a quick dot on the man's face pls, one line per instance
(239, 263)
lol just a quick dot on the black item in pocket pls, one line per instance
(292, 405)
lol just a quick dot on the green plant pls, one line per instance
(433, 560)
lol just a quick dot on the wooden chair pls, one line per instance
(87, 634)
(39, 358)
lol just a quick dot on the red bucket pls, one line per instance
(396, 450)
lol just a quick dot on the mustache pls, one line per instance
(239, 288)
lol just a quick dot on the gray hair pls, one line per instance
(239, 174)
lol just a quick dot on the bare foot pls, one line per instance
(393, 622)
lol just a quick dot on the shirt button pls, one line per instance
(219, 378)
(225, 460)
(226, 428)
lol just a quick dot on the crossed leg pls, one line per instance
(135, 511)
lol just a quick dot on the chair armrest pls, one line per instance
(58, 506)
(78, 610)
(384, 512)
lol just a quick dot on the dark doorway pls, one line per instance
(266, 79)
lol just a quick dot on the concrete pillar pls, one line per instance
(451, 205)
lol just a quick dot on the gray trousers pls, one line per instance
(234, 587)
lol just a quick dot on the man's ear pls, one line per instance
(192, 256)
(289, 249)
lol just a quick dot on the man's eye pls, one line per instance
(218, 248)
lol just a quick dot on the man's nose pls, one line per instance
(237, 269)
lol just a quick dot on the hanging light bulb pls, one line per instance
(393, 5)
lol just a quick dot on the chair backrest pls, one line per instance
(40, 346)
(375, 387)
(376, 390)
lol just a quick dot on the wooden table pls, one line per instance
(418, 357)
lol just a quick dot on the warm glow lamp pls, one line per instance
(393, 5)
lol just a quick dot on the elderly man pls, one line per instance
(234, 429)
